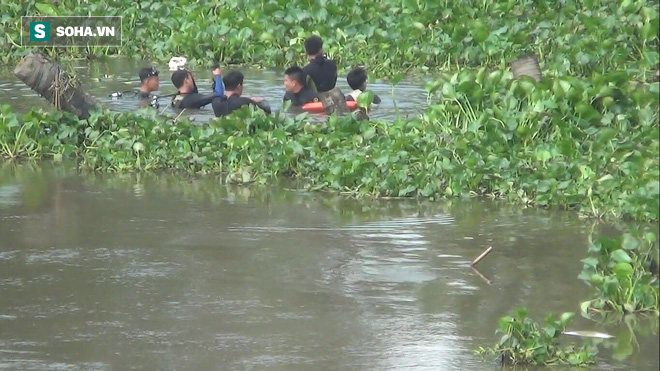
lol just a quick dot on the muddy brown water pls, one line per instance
(160, 272)
(101, 78)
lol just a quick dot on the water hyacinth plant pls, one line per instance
(526, 342)
(624, 273)
(605, 165)
(390, 37)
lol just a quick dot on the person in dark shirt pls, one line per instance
(357, 80)
(320, 72)
(321, 75)
(232, 100)
(296, 90)
(150, 82)
(187, 93)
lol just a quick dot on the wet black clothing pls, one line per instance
(305, 95)
(142, 95)
(223, 106)
(191, 100)
(323, 73)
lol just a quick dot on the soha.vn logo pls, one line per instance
(39, 31)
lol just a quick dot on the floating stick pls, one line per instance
(483, 254)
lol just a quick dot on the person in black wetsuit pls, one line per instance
(357, 80)
(296, 90)
(320, 70)
(232, 100)
(150, 82)
(187, 94)
(321, 75)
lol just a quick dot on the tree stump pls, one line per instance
(55, 85)
(527, 66)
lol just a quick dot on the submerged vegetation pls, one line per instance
(624, 274)
(389, 37)
(526, 342)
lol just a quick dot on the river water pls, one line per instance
(159, 272)
(101, 78)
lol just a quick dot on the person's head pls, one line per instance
(357, 79)
(233, 82)
(313, 46)
(183, 80)
(149, 78)
(294, 79)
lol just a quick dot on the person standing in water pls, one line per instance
(357, 80)
(296, 89)
(150, 82)
(232, 99)
(321, 75)
(187, 94)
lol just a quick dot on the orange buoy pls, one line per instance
(318, 106)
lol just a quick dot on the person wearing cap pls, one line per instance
(149, 80)
(187, 94)
(321, 75)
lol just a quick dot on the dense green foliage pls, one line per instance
(426, 157)
(623, 272)
(389, 37)
(525, 342)
(565, 141)
(588, 145)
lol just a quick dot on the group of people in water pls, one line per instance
(316, 82)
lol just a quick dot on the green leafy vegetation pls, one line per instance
(526, 342)
(624, 273)
(389, 37)
(552, 143)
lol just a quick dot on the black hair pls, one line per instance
(356, 78)
(178, 77)
(313, 45)
(295, 73)
(232, 80)
(146, 73)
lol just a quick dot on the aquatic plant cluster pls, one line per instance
(556, 143)
(389, 37)
(525, 341)
(623, 272)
